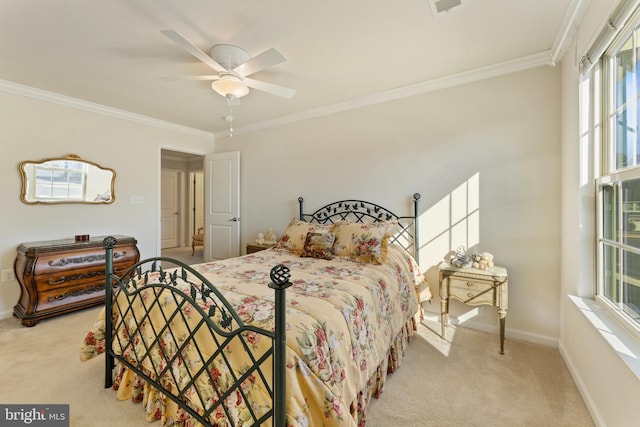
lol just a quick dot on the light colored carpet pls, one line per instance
(464, 381)
(183, 254)
(460, 381)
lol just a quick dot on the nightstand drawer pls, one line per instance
(470, 285)
(472, 295)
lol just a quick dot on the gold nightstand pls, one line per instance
(254, 247)
(474, 287)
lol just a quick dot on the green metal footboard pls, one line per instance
(148, 346)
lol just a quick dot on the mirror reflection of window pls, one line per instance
(66, 180)
(60, 180)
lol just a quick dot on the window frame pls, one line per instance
(609, 175)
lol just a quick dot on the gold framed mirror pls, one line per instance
(66, 180)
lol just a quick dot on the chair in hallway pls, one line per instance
(197, 240)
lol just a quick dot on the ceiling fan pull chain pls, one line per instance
(229, 118)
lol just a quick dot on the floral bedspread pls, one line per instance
(343, 316)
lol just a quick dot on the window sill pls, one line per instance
(620, 340)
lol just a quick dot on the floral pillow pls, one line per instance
(319, 245)
(294, 237)
(362, 242)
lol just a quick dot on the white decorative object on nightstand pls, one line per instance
(473, 286)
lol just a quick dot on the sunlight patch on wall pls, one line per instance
(434, 224)
(451, 222)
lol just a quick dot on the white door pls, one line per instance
(222, 206)
(169, 207)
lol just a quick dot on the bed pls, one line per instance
(301, 334)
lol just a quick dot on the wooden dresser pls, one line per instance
(61, 276)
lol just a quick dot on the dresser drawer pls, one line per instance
(78, 293)
(76, 260)
(64, 278)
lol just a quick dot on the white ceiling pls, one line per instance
(338, 52)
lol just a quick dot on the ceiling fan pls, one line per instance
(233, 66)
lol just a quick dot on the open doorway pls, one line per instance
(181, 205)
(196, 211)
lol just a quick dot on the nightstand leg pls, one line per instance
(502, 322)
(444, 315)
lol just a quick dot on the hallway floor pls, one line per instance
(183, 254)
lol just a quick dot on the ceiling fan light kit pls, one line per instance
(230, 86)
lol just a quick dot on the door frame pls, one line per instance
(184, 202)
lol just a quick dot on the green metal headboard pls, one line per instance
(361, 211)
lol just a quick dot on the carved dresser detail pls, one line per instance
(61, 276)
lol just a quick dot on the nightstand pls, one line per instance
(474, 287)
(254, 247)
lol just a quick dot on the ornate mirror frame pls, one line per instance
(66, 179)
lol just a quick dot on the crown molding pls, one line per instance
(570, 23)
(67, 101)
(465, 77)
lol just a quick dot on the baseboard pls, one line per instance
(5, 314)
(514, 334)
(582, 389)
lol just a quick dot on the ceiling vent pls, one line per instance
(439, 6)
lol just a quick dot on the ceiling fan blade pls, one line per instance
(266, 59)
(178, 39)
(211, 77)
(282, 91)
(174, 78)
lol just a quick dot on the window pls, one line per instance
(618, 186)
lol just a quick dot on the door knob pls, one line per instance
(234, 219)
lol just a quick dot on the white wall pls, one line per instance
(499, 137)
(610, 389)
(34, 129)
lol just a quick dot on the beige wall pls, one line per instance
(34, 129)
(500, 137)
